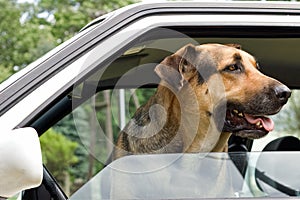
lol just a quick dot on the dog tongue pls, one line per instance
(267, 123)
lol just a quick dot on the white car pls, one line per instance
(87, 89)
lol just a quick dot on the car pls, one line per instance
(82, 93)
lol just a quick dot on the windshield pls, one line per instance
(184, 176)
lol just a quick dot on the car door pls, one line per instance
(115, 58)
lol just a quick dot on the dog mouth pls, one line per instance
(247, 125)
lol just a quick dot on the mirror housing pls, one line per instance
(21, 164)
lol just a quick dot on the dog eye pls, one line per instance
(234, 67)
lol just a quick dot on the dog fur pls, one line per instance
(198, 85)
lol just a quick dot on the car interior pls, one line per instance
(132, 67)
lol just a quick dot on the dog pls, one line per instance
(206, 93)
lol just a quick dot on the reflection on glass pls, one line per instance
(212, 175)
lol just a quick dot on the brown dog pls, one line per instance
(206, 93)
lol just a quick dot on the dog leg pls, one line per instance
(222, 145)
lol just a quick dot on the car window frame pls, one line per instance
(145, 25)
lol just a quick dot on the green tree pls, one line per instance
(58, 154)
(21, 41)
(67, 17)
(9, 27)
(29, 30)
(287, 121)
(67, 127)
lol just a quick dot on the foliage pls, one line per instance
(288, 120)
(67, 127)
(58, 153)
(29, 30)
(21, 42)
(72, 15)
(9, 25)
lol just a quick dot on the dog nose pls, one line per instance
(283, 93)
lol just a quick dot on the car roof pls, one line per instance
(217, 6)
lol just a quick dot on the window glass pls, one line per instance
(77, 147)
(170, 177)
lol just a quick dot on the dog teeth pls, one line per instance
(240, 114)
(259, 125)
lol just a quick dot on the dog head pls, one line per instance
(246, 97)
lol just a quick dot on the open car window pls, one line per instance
(86, 120)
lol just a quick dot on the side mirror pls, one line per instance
(20, 161)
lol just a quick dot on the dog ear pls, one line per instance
(177, 67)
(237, 46)
(186, 66)
(167, 70)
